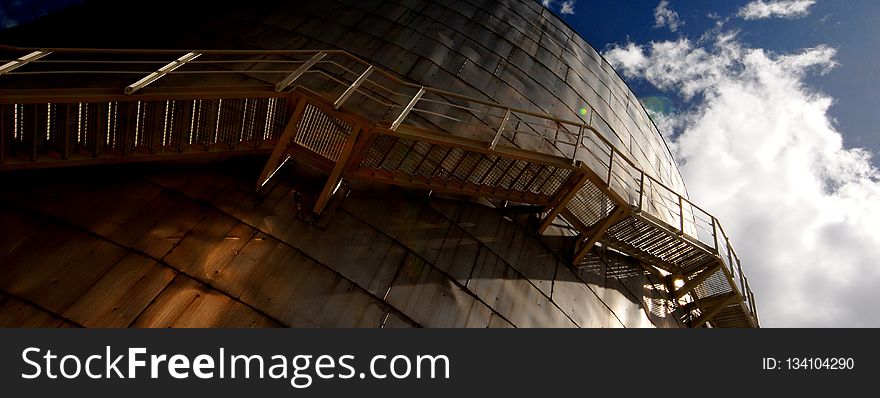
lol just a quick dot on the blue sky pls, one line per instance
(852, 27)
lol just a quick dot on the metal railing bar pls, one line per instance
(94, 61)
(4, 47)
(162, 72)
(245, 60)
(242, 71)
(451, 105)
(283, 84)
(425, 111)
(352, 88)
(378, 85)
(329, 76)
(340, 66)
(23, 60)
(76, 72)
(377, 100)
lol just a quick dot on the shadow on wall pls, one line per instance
(628, 277)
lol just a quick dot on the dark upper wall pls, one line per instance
(513, 52)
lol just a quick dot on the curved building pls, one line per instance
(439, 164)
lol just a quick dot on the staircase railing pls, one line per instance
(81, 75)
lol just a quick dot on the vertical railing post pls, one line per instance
(63, 119)
(500, 129)
(747, 292)
(101, 130)
(407, 109)
(32, 123)
(299, 71)
(752, 305)
(729, 252)
(715, 234)
(580, 141)
(353, 87)
(681, 214)
(742, 285)
(641, 190)
(610, 165)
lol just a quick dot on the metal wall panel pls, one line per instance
(17, 313)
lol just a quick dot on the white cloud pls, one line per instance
(665, 16)
(760, 9)
(760, 151)
(566, 7)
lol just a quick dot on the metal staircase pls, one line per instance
(336, 112)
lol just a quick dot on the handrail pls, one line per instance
(615, 156)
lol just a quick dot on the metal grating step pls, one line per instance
(590, 205)
(659, 245)
(408, 161)
(323, 134)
